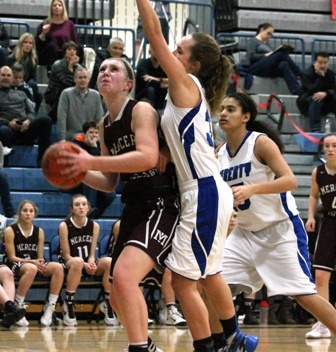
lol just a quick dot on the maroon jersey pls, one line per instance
(80, 238)
(327, 188)
(25, 247)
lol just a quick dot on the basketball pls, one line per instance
(52, 171)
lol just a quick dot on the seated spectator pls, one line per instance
(12, 313)
(19, 83)
(317, 95)
(78, 242)
(89, 141)
(24, 244)
(4, 45)
(61, 77)
(5, 196)
(265, 62)
(77, 105)
(25, 54)
(53, 33)
(151, 82)
(18, 121)
(115, 48)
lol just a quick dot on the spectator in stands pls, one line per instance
(163, 12)
(19, 83)
(24, 244)
(318, 93)
(12, 313)
(77, 105)
(61, 77)
(151, 82)
(78, 243)
(5, 196)
(18, 121)
(89, 141)
(115, 48)
(268, 223)
(53, 33)
(323, 179)
(265, 62)
(25, 54)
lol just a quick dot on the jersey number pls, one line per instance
(83, 252)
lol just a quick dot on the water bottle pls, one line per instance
(327, 126)
(263, 312)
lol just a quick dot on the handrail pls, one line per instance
(98, 34)
(239, 42)
(280, 105)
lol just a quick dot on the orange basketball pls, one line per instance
(52, 170)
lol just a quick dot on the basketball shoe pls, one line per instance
(23, 321)
(69, 317)
(47, 316)
(12, 314)
(243, 343)
(110, 316)
(319, 331)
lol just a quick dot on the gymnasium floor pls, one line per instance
(98, 337)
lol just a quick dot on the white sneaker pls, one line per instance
(318, 331)
(47, 316)
(23, 322)
(174, 317)
(150, 321)
(110, 316)
(6, 151)
(69, 317)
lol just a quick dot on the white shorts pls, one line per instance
(276, 256)
(198, 244)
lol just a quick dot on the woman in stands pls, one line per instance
(24, 244)
(269, 244)
(78, 243)
(61, 77)
(25, 54)
(265, 62)
(53, 33)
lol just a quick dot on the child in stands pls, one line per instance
(24, 245)
(78, 243)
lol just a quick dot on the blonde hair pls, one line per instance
(65, 16)
(19, 54)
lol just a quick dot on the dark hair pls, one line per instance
(87, 125)
(322, 54)
(215, 71)
(16, 67)
(248, 105)
(69, 44)
(264, 25)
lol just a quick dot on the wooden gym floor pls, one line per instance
(100, 338)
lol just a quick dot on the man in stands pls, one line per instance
(317, 95)
(78, 105)
(18, 121)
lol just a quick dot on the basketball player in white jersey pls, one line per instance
(198, 75)
(269, 244)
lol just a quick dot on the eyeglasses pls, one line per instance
(269, 33)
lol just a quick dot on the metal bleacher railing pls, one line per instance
(327, 45)
(97, 37)
(234, 44)
(15, 29)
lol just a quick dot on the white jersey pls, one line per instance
(188, 132)
(243, 168)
